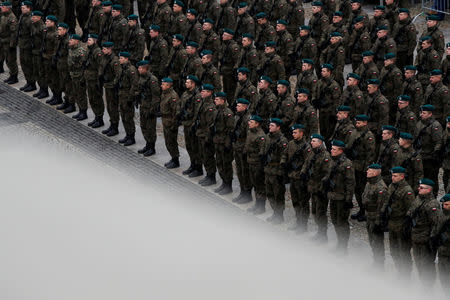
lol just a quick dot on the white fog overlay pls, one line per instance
(72, 228)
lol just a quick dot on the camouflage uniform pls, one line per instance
(249, 58)
(367, 71)
(391, 85)
(335, 54)
(264, 33)
(24, 38)
(161, 16)
(206, 116)
(328, 96)
(245, 24)
(240, 157)
(406, 120)
(211, 76)
(413, 88)
(438, 95)
(387, 157)
(39, 75)
(193, 66)
(272, 65)
(343, 130)
(353, 97)
(176, 63)
(359, 41)
(93, 23)
(295, 17)
(445, 157)
(265, 106)
(229, 58)
(75, 62)
(191, 103)
(118, 32)
(285, 111)
(64, 83)
(194, 31)
(444, 251)
(405, 35)
(318, 23)
(377, 108)
(305, 47)
(445, 67)
(150, 96)
(135, 44)
(437, 38)
(109, 74)
(127, 90)
(285, 46)
(158, 52)
(245, 89)
(94, 58)
(308, 80)
(170, 112)
(376, 22)
(381, 47)
(305, 114)
(411, 160)
(179, 24)
(426, 61)
(8, 35)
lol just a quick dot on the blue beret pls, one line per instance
(125, 54)
(435, 72)
(305, 27)
(208, 87)
(107, 44)
(242, 101)
(283, 22)
(373, 81)
(379, 7)
(117, 7)
(353, 75)
(51, 18)
(426, 181)
(167, 79)
(307, 61)
(398, 169)
(283, 82)
(374, 167)
(433, 18)
(106, 3)
(358, 19)
(220, 95)
(344, 108)
(276, 121)
(317, 3)
(154, 27)
(389, 127)
(37, 13)
(382, 27)
(266, 78)
(362, 118)
(178, 37)
(338, 143)
(261, 15)
(179, 3)
(206, 52)
(242, 4)
(338, 14)
(192, 44)
(404, 98)
(445, 198)
(93, 36)
(368, 53)
(75, 37)
(406, 136)
(7, 3)
(327, 66)
(389, 55)
(427, 107)
(317, 136)
(142, 63)
(403, 10)
(27, 3)
(425, 38)
(207, 20)
(270, 44)
(192, 11)
(297, 126)
(132, 17)
(335, 34)
(193, 78)
(248, 35)
(229, 31)
(256, 118)
(63, 25)
(303, 91)
(448, 118)
(410, 67)
(447, 45)
(243, 70)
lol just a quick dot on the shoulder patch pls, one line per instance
(434, 209)
(326, 159)
(409, 193)
(262, 139)
(380, 192)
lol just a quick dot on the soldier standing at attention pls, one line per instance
(135, 40)
(361, 150)
(274, 149)
(47, 51)
(170, 112)
(158, 51)
(316, 171)
(292, 161)
(353, 96)
(410, 159)
(367, 70)
(229, 57)
(387, 155)
(8, 38)
(340, 187)
(39, 75)
(254, 147)
(148, 98)
(435, 33)
(373, 198)
(427, 60)
(413, 88)
(176, 61)
(344, 126)
(76, 63)
(425, 214)
(377, 108)
(406, 119)
(445, 154)
(127, 91)
(383, 45)
(397, 203)
(441, 239)
(25, 43)
(110, 70)
(437, 94)
(64, 82)
(391, 83)
(304, 113)
(405, 35)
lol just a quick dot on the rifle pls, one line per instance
(352, 153)
(417, 144)
(440, 238)
(410, 221)
(306, 177)
(329, 184)
(43, 48)
(88, 25)
(169, 65)
(267, 155)
(292, 165)
(383, 154)
(186, 106)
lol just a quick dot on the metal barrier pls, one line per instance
(438, 6)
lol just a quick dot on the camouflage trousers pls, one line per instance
(224, 159)
(26, 63)
(10, 55)
(126, 109)
(275, 190)
(39, 72)
(112, 105)
(95, 94)
(78, 92)
(339, 218)
(424, 258)
(242, 170)
(207, 151)
(300, 200)
(257, 179)
(171, 139)
(320, 205)
(400, 247)
(147, 122)
(360, 184)
(192, 145)
(376, 241)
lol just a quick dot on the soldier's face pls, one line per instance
(72, 42)
(246, 42)
(431, 23)
(341, 115)
(95, 2)
(372, 173)
(241, 10)
(176, 8)
(273, 127)
(132, 23)
(402, 16)
(176, 42)
(388, 62)
(304, 32)
(280, 27)
(424, 189)
(360, 124)
(316, 143)
(297, 134)
(188, 84)
(90, 41)
(142, 70)
(206, 26)
(165, 85)
(25, 9)
(160, 1)
(435, 79)
(206, 59)
(35, 19)
(62, 31)
(388, 2)
(205, 93)
(396, 177)
(106, 9)
(352, 81)
(262, 84)
(409, 73)
(261, 21)
(223, 1)
(367, 59)
(106, 51)
(316, 9)
(306, 67)
(122, 60)
(49, 23)
(190, 50)
(226, 36)
(302, 97)
(377, 13)
(381, 33)
(240, 107)
(425, 114)
(358, 25)
(325, 72)
(402, 104)
(269, 50)
(337, 19)
(336, 151)
(281, 89)
(334, 39)
(190, 16)
(242, 76)
(252, 124)
(386, 135)
(372, 88)
(448, 124)
(115, 13)
(446, 205)
(426, 45)
(153, 34)
(355, 6)
(219, 101)
(404, 143)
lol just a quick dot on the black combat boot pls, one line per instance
(38, 93)
(276, 218)
(143, 150)
(130, 141)
(31, 87)
(70, 109)
(114, 130)
(221, 187)
(105, 131)
(63, 106)
(208, 180)
(51, 100)
(82, 115)
(246, 197)
(98, 122)
(124, 139)
(92, 122)
(198, 171)
(2, 69)
(25, 86)
(173, 163)
(151, 151)
(13, 79)
(189, 170)
(239, 197)
(43, 94)
(228, 189)
(58, 100)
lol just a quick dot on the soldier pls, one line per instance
(388, 154)
(158, 51)
(436, 34)
(224, 14)
(263, 6)
(405, 36)
(334, 54)
(264, 30)
(295, 17)
(329, 7)
(142, 8)
(37, 33)
(437, 95)
(393, 213)
(211, 40)
(191, 103)
(210, 74)
(361, 150)
(445, 67)
(82, 12)
(271, 63)
(427, 60)
(406, 119)
(413, 88)
(239, 136)
(378, 20)
(340, 188)
(205, 120)
(109, 74)
(126, 4)
(118, 29)
(305, 48)
(285, 105)
(410, 159)
(377, 108)
(424, 214)
(148, 99)
(249, 57)
(170, 112)
(292, 161)
(91, 68)
(221, 131)
(161, 15)
(375, 194)
(25, 41)
(285, 43)
(445, 154)
(93, 22)
(229, 58)
(344, 126)
(367, 70)
(352, 95)
(135, 40)
(440, 240)
(337, 25)
(307, 79)
(127, 92)
(383, 45)
(304, 113)
(359, 42)
(274, 149)
(391, 12)
(47, 51)
(356, 12)
(279, 10)
(176, 61)
(245, 22)
(391, 83)
(266, 103)
(194, 30)
(193, 64)
(64, 84)
(199, 5)
(76, 62)
(316, 171)
(245, 89)
(254, 148)
(319, 21)
(428, 139)
(8, 35)
(56, 8)
(328, 96)
(179, 20)
(105, 20)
